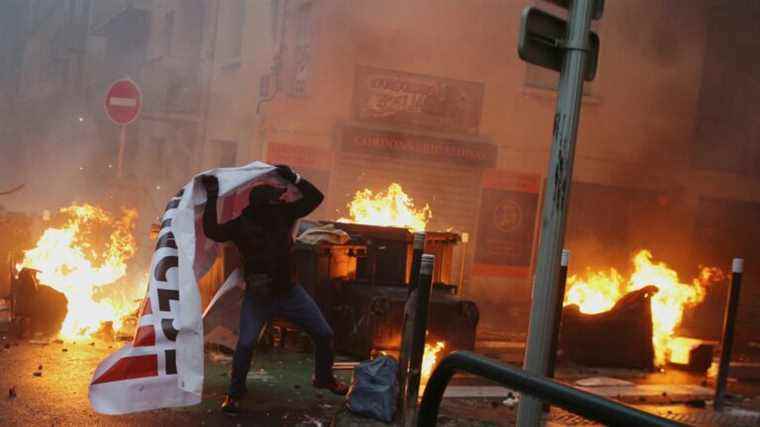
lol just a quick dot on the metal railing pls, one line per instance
(588, 405)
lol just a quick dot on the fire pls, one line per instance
(390, 208)
(80, 259)
(430, 359)
(599, 291)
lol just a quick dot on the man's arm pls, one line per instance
(211, 227)
(310, 199)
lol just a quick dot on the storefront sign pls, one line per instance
(424, 147)
(417, 101)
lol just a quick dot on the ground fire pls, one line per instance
(81, 258)
(389, 208)
(598, 292)
(430, 359)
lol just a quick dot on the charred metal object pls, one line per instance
(620, 337)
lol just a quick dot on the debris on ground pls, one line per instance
(512, 400)
(39, 368)
(12, 392)
(37, 373)
(218, 357)
(39, 342)
(58, 341)
(603, 382)
(260, 375)
(64, 350)
(698, 403)
(311, 420)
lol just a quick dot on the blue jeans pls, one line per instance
(296, 306)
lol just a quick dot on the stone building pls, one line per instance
(431, 94)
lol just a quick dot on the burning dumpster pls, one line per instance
(625, 332)
(362, 287)
(634, 321)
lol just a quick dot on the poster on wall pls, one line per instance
(314, 163)
(417, 101)
(506, 224)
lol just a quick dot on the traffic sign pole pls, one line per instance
(122, 147)
(556, 197)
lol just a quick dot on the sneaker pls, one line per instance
(335, 386)
(231, 405)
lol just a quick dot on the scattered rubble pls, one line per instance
(12, 392)
(311, 420)
(511, 401)
(603, 382)
(37, 373)
(218, 357)
(699, 403)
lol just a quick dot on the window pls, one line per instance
(303, 49)
(168, 31)
(231, 27)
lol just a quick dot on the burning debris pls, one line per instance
(390, 208)
(80, 258)
(600, 291)
(625, 330)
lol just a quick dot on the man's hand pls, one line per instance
(210, 183)
(287, 173)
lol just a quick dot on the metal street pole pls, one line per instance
(122, 147)
(727, 343)
(410, 308)
(419, 333)
(556, 197)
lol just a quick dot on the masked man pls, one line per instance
(262, 234)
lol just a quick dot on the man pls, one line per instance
(262, 234)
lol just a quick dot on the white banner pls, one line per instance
(163, 365)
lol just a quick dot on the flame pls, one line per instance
(80, 259)
(430, 359)
(680, 349)
(390, 208)
(599, 291)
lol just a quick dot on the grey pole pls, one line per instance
(561, 286)
(410, 308)
(417, 351)
(556, 197)
(727, 343)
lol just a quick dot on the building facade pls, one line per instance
(431, 94)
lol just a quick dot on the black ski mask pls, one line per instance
(263, 201)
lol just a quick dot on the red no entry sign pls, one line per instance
(123, 102)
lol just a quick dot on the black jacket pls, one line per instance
(263, 235)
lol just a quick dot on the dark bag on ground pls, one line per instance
(374, 389)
